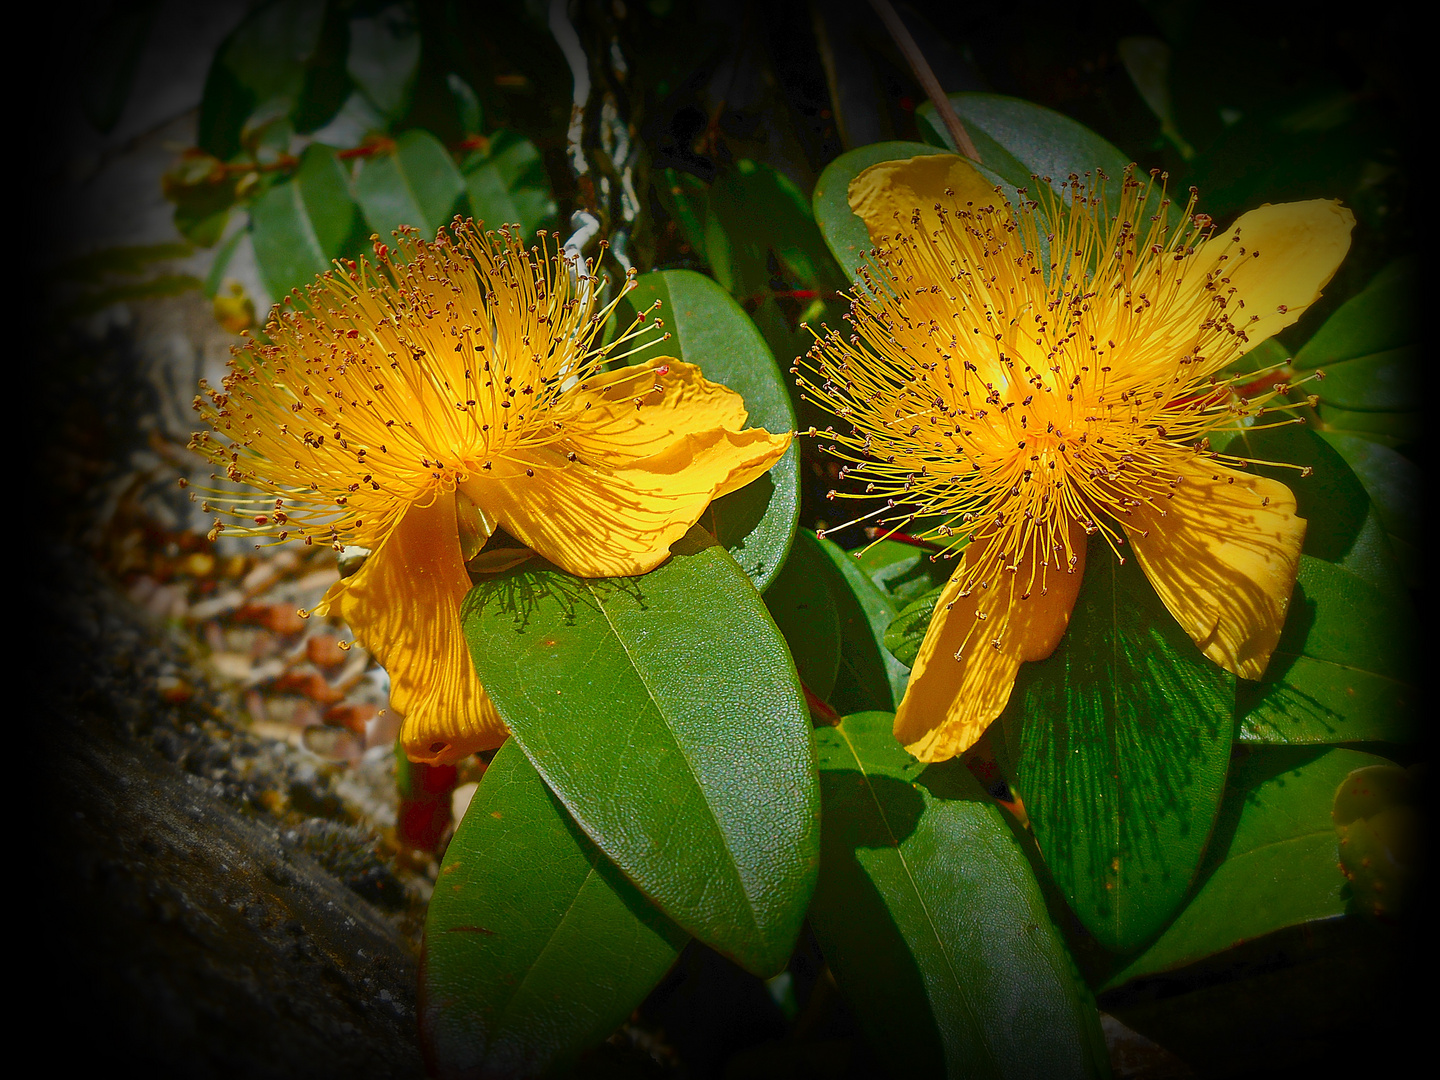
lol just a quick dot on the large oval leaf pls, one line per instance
(1273, 859)
(301, 225)
(1018, 139)
(843, 231)
(416, 185)
(708, 329)
(803, 607)
(869, 677)
(1119, 743)
(536, 947)
(933, 924)
(1343, 671)
(665, 713)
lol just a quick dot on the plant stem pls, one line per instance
(928, 82)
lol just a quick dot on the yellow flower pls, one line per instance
(1033, 378)
(414, 407)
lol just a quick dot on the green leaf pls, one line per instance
(467, 104)
(904, 572)
(1019, 139)
(507, 185)
(536, 947)
(1272, 863)
(933, 924)
(1393, 482)
(907, 630)
(843, 231)
(1386, 428)
(708, 329)
(384, 57)
(756, 212)
(1121, 741)
(1341, 524)
(416, 185)
(801, 603)
(1381, 382)
(665, 713)
(869, 677)
(1342, 671)
(300, 225)
(1376, 320)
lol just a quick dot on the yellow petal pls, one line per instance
(598, 520)
(962, 680)
(1290, 252)
(892, 188)
(1223, 558)
(606, 423)
(404, 607)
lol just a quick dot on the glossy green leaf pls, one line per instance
(1343, 670)
(300, 225)
(1393, 482)
(665, 713)
(384, 56)
(507, 185)
(1342, 525)
(1272, 863)
(1018, 139)
(801, 603)
(1121, 741)
(933, 924)
(904, 572)
(1386, 428)
(1376, 320)
(536, 947)
(843, 231)
(708, 329)
(869, 677)
(905, 633)
(1381, 382)
(417, 185)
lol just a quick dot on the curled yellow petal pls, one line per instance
(975, 645)
(888, 195)
(1268, 267)
(404, 607)
(599, 520)
(631, 413)
(1223, 556)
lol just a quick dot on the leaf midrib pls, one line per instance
(924, 907)
(684, 756)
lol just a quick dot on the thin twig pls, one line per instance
(928, 82)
